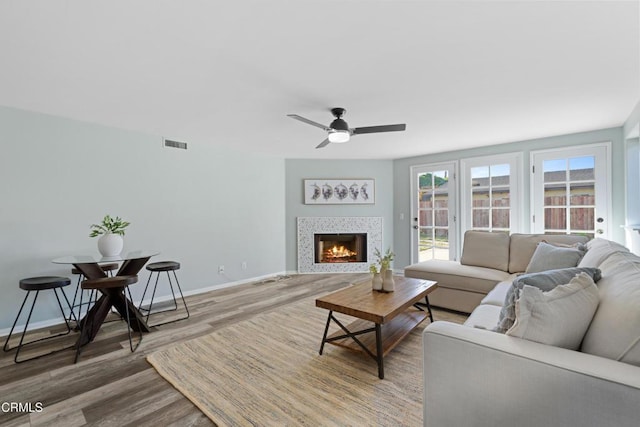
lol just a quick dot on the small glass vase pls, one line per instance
(388, 284)
(376, 281)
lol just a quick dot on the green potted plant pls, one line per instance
(111, 231)
(384, 260)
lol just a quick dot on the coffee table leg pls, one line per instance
(426, 298)
(326, 329)
(379, 351)
(426, 304)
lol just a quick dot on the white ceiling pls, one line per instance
(459, 74)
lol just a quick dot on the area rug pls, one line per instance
(267, 371)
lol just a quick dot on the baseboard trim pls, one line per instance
(234, 283)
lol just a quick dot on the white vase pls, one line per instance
(376, 282)
(388, 285)
(110, 244)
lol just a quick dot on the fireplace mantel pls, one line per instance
(309, 226)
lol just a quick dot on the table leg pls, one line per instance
(379, 357)
(352, 335)
(426, 298)
(120, 302)
(426, 304)
(132, 267)
(90, 270)
(326, 329)
(90, 324)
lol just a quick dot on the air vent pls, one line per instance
(175, 144)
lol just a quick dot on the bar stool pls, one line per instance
(158, 267)
(120, 284)
(107, 268)
(38, 284)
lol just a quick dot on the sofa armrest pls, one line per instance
(475, 377)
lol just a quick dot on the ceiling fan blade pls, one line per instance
(323, 143)
(309, 122)
(377, 129)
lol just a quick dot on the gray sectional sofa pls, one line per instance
(474, 376)
(487, 259)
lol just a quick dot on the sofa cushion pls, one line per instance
(559, 317)
(498, 294)
(550, 257)
(484, 317)
(545, 281)
(598, 250)
(615, 330)
(486, 249)
(451, 274)
(522, 247)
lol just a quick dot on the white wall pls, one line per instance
(204, 207)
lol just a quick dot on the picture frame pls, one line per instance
(345, 191)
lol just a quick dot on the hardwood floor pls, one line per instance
(112, 386)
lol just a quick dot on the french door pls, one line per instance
(433, 208)
(570, 190)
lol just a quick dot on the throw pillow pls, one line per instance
(550, 257)
(579, 245)
(598, 250)
(486, 249)
(545, 281)
(522, 247)
(614, 332)
(559, 317)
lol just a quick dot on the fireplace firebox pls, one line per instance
(340, 247)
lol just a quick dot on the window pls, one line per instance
(491, 196)
(570, 190)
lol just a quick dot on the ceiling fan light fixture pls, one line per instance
(340, 132)
(339, 124)
(339, 136)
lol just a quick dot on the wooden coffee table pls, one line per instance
(394, 314)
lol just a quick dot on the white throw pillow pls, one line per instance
(615, 329)
(598, 250)
(559, 317)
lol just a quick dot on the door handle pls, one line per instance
(415, 227)
(599, 231)
(600, 219)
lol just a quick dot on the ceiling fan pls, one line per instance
(339, 131)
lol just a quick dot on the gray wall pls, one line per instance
(298, 170)
(203, 207)
(631, 131)
(401, 178)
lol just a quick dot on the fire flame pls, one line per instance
(340, 252)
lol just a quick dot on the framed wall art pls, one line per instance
(348, 191)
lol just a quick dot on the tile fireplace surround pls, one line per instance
(309, 226)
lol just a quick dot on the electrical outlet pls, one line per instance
(244, 265)
(220, 269)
